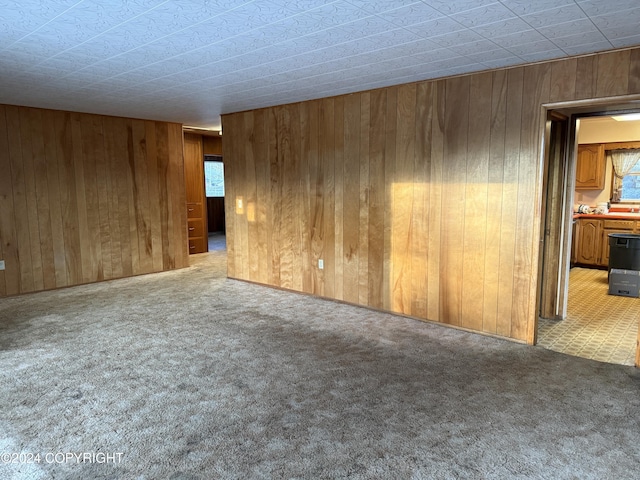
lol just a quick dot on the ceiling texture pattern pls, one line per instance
(188, 61)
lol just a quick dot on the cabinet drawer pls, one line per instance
(194, 210)
(619, 224)
(196, 229)
(197, 245)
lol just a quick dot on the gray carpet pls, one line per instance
(189, 375)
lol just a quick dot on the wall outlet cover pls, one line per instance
(1, 264)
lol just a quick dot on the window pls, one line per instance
(631, 185)
(214, 179)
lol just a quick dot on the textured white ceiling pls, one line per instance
(188, 61)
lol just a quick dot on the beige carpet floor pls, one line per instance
(187, 375)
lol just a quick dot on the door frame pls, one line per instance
(555, 240)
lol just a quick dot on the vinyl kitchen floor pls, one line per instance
(598, 326)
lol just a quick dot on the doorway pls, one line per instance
(576, 314)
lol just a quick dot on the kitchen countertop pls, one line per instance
(610, 215)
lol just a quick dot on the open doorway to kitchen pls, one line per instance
(577, 316)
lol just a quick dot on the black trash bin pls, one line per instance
(624, 251)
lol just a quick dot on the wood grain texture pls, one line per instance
(475, 208)
(77, 192)
(422, 199)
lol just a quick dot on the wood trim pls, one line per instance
(621, 145)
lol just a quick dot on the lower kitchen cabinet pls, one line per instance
(592, 242)
(589, 242)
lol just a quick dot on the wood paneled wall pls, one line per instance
(85, 198)
(422, 199)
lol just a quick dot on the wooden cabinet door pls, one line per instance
(196, 202)
(590, 167)
(589, 243)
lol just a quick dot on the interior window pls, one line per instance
(631, 185)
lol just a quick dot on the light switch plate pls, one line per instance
(1, 264)
(320, 264)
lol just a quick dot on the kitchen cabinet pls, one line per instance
(592, 239)
(589, 241)
(590, 168)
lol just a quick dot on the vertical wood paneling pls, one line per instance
(351, 197)
(494, 201)
(563, 80)
(10, 281)
(422, 199)
(258, 145)
(363, 161)
(391, 132)
(437, 193)
(48, 162)
(177, 255)
(475, 207)
(338, 169)
(613, 73)
(155, 213)
(403, 200)
(326, 147)
(421, 188)
(251, 196)
(314, 236)
(376, 179)
(21, 216)
(70, 208)
(586, 77)
(509, 209)
(634, 71)
(29, 151)
(454, 178)
(536, 92)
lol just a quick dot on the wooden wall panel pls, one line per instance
(79, 191)
(423, 199)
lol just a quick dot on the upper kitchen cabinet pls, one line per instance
(590, 169)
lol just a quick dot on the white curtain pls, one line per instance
(623, 161)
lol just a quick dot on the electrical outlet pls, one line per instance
(1, 264)
(321, 264)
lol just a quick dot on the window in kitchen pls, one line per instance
(626, 164)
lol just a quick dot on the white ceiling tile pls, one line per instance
(437, 27)
(502, 62)
(594, 8)
(626, 41)
(586, 48)
(612, 20)
(435, 55)
(581, 39)
(484, 15)
(520, 38)
(449, 7)
(492, 55)
(474, 48)
(533, 47)
(505, 27)
(577, 27)
(554, 16)
(411, 14)
(524, 7)
(457, 38)
(542, 56)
